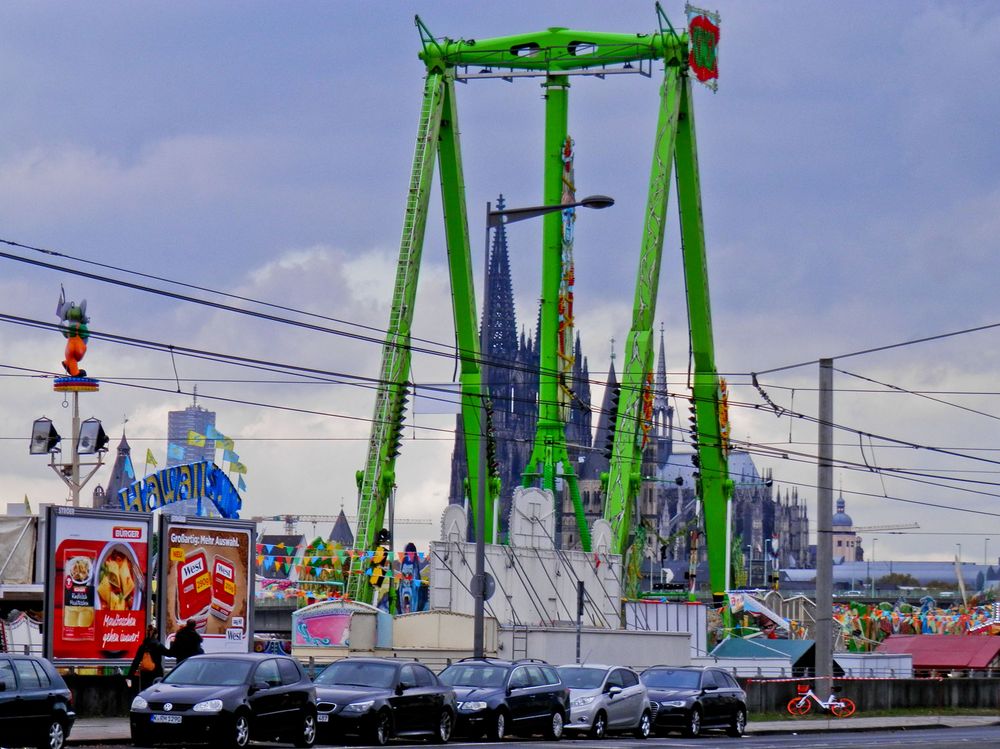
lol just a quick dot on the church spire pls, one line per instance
(501, 327)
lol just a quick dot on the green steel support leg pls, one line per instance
(550, 438)
(376, 480)
(716, 488)
(463, 296)
(624, 480)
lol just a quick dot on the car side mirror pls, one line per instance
(709, 688)
(258, 686)
(158, 679)
(614, 691)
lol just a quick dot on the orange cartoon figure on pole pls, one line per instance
(73, 323)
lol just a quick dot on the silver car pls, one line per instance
(606, 699)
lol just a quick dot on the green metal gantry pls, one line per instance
(555, 55)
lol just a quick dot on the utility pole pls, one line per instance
(824, 525)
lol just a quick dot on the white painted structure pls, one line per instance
(670, 616)
(533, 586)
(557, 645)
(878, 665)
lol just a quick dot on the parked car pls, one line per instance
(382, 698)
(497, 697)
(36, 707)
(228, 699)
(692, 699)
(606, 699)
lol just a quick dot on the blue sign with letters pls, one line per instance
(192, 481)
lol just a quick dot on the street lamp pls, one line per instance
(872, 575)
(959, 553)
(496, 219)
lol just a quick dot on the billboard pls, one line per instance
(97, 585)
(206, 574)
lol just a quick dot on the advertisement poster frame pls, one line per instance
(216, 608)
(57, 520)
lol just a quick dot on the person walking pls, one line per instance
(148, 662)
(187, 642)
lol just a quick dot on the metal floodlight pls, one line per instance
(44, 437)
(92, 438)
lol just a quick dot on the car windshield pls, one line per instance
(671, 678)
(359, 674)
(582, 678)
(478, 675)
(210, 672)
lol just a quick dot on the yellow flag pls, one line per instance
(149, 457)
(226, 443)
(198, 440)
(237, 468)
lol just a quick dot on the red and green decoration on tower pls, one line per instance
(703, 31)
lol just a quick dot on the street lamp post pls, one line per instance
(871, 575)
(959, 553)
(986, 552)
(495, 219)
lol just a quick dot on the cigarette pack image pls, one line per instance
(223, 588)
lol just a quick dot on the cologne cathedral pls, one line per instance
(766, 522)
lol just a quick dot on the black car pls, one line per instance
(379, 698)
(36, 708)
(228, 699)
(497, 697)
(692, 699)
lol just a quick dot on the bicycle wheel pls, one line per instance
(843, 708)
(799, 705)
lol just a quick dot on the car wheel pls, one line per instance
(556, 724)
(600, 726)
(239, 737)
(307, 733)
(446, 723)
(381, 729)
(693, 727)
(645, 727)
(498, 729)
(55, 738)
(739, 724)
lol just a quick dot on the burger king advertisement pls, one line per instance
(206, 575)
(97, 593)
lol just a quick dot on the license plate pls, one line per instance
(323, 718)
(167, 718)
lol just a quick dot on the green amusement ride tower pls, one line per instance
(555, 56)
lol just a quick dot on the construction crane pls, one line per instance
(879, 528)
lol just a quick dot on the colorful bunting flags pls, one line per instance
(150, 460)
(198, 440)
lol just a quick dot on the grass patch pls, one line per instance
(912, 712)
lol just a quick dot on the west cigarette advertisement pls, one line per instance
(97, 596)
(206, 575)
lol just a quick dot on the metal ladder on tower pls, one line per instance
(395, 367)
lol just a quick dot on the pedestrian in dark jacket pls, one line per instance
(152, 646)
(187, 642)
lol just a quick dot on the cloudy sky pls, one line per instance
(850, 185)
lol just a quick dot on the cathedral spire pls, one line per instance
(501, 327)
